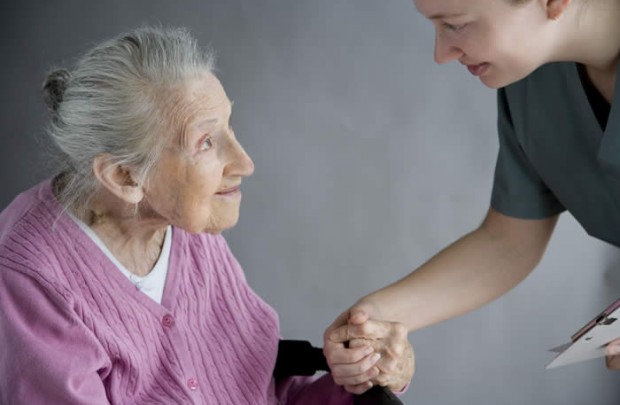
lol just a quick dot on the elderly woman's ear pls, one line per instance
(117, 179)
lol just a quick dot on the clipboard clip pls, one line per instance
(606, 320)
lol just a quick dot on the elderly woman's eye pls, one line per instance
(207, 144)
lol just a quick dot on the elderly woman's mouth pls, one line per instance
(230, 192)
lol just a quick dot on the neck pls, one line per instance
(589, 33)
(135, 240)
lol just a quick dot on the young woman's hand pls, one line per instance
(613, 355)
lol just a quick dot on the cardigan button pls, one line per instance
(168, 321)
(192, 384)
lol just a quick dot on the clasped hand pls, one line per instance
(362, 352)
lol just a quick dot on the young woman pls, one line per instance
(555, 64)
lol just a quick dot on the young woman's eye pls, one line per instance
(453, 27)
(207, 144)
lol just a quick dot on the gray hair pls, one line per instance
(117, 102)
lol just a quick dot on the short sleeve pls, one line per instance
(47, 354)
(518, 190)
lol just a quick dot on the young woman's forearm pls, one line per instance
(471, 272)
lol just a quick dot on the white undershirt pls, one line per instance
(153, 283)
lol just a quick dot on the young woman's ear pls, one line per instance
(555, 8)
(117, 179)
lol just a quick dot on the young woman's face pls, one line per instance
(496, 40)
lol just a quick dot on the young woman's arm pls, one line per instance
(471, 272)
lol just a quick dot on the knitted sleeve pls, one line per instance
(292, 390)
(48, 356)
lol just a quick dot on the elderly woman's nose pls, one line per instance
(240, 162)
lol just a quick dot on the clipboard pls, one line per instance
(590, 341)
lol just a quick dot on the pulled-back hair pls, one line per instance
(116, 101)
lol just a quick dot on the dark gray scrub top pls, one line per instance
(554, 155)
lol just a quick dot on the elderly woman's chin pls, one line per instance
(223, 215)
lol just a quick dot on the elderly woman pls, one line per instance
(115, 285)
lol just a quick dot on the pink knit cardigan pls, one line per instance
(74, 330)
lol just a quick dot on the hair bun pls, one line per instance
(54, 88)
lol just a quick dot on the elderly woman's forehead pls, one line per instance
(200, 97)
(205, 86)
(207, 110)
(205, 94)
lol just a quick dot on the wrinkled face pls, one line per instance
(195, 185)
(496, 40)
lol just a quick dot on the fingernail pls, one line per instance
(613, 350)
(375, 357)
(368, 350)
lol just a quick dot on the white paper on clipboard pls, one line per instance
(590, 341)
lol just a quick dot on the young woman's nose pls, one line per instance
(445, 51)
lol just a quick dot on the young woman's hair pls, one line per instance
(116, 101)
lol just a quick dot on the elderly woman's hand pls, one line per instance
(362, 352)
(613, 355)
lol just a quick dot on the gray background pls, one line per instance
(369, 159)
